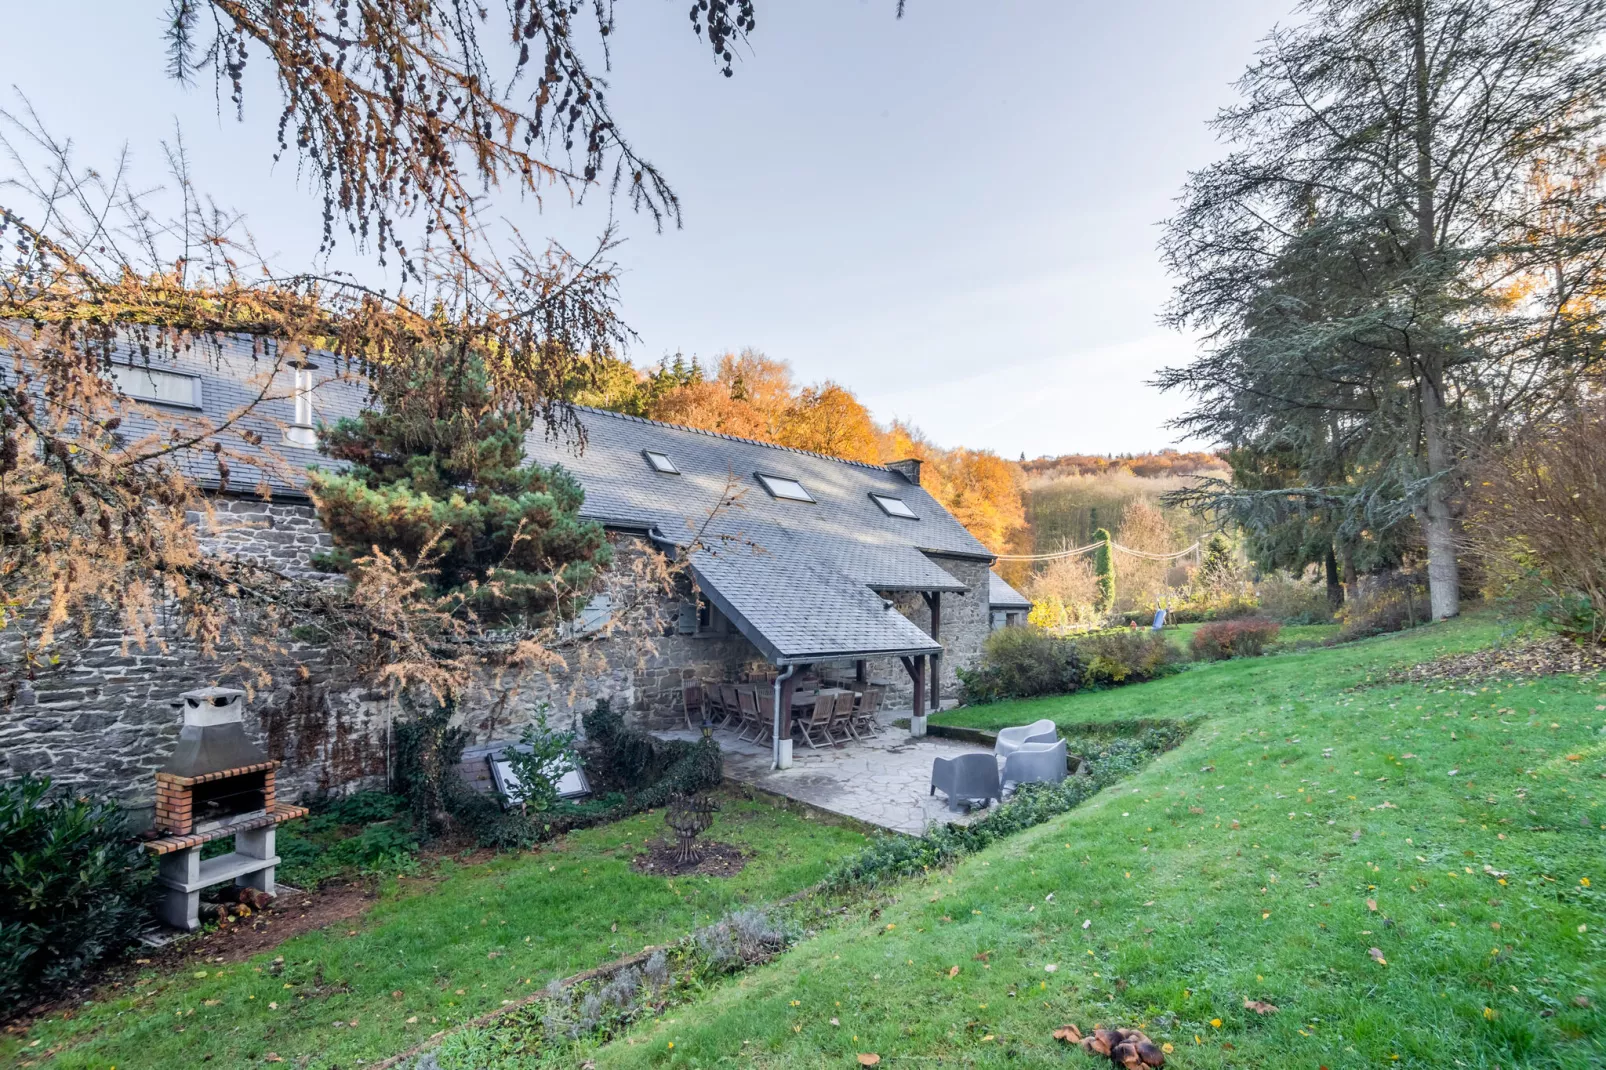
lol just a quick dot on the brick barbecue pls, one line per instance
(217, 784)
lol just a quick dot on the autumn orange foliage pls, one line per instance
(754, 396)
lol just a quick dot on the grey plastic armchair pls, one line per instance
(1011, 740)
(965, 778)
(1036, 763)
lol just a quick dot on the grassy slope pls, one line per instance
(1230, 869)
(440, 950)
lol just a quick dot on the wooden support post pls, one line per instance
(917, 672)
(934, 601)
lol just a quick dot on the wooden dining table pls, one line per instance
(803, 700)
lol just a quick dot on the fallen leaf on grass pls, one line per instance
(953, 971)
(1259, 1007)
(1377, 956)
(868, 1058)
(273, 1057)
(1371, 904)
(1068, 1033)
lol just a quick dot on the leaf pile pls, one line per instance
(1545, 656)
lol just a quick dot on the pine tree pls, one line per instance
(442, 458)
(1104, 569)
(1389, 161)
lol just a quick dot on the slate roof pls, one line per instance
(799, 579)
(802, 581)
(234, 374)
(1002, 596)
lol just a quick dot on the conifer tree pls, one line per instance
(1104, 569)
(438, 465)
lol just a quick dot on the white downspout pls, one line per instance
(775, 729)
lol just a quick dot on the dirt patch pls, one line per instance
(718, 860)
(1545, 656)
(288, 916)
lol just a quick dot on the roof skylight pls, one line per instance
(894, 506)
(781, 487)
(661, 462)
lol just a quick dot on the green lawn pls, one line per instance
(1303, 823)
(435, 951)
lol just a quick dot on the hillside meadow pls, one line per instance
(1409, 874)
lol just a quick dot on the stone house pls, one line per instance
(1008, 607)
(791, 560)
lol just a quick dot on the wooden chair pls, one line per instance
(766, 714)
(864, 711)
(733, 706)
(747, 702)
(692, 699)
(711, 699)
(817, 725)
(842, 717)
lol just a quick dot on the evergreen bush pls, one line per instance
(74, 888)
(1104, 570)
(440, 463)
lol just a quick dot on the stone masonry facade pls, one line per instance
(106, 718)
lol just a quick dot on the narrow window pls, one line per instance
(781, 487)
(158, 385)
(894, 506)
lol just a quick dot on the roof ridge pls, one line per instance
(731, 438)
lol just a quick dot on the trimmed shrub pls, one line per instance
(73, 888)
(1126, 657)
(1026, 662)
(1021, 663)
(1246, 638)
(1104, 570)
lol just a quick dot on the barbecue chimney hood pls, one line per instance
(213, 737)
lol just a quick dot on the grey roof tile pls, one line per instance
(1002, 596)
(800, 579)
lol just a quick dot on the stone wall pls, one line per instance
(965, 626)
(105, 718)
(283, 533)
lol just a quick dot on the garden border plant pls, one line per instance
(630, 769)
(74, 887)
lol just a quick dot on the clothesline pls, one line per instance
(1145, 554)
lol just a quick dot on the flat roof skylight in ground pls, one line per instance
(661, 462)
(894, 506)
(781, 487)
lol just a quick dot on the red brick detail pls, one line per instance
(169, 844)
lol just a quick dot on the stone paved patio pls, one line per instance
(884, 780)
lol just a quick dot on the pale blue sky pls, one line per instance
(954, 215)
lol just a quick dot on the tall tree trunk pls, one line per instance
(1438, 524)
(1346, 553)
(1335, 590)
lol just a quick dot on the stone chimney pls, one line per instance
(908, 469)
